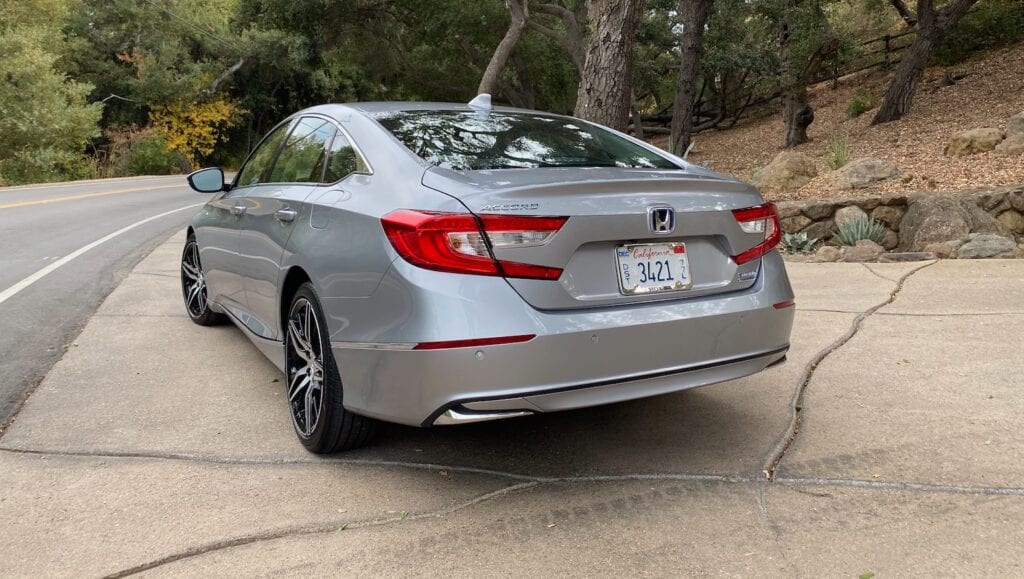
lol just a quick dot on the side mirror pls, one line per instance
(209, 180)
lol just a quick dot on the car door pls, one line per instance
(218, 236)
(274, 209)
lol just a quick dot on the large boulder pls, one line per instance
(986, 245)
(889, 215)
(1012, 220)
(787, 209)
(787, 172)
(821, 230)
(974, 141)
(865, 250)
(864, 173)
(827, 253)
(848, 214)
(1015, 127)
(1012, 145)
(794, 224)
(941, 218)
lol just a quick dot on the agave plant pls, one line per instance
(854, 230)
(797, 243)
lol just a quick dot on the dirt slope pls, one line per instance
(992, 91)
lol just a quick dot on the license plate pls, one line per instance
(653, 267)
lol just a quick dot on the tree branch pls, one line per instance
(224, 75)
(904, 12)
(572, 40)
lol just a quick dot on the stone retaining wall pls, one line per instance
(942, 223)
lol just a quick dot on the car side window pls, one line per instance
(302, 159)
(343, 160)
(257, 168)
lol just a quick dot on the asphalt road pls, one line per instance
(75, 234)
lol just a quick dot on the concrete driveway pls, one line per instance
(891, 442)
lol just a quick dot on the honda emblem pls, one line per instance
(662, 220)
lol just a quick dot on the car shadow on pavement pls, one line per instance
(709, 430)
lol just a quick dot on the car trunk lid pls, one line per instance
(609, 209)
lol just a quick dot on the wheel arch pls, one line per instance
(293, 280)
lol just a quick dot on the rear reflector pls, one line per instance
(785, 304)
(455, 242)
(474, 343)
(762, 220)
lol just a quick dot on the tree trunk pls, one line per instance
(605, 85)
(932, 27)
(489, 82)
(637, 118)
(797, 113)
(695, 16)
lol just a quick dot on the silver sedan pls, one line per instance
(431, 264)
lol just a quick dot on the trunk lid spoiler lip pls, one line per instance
(493, 190)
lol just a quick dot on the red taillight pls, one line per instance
(454, 242)
(474, 343)
(762, 219)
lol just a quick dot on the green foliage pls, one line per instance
(850, 232)
(797, 243)
(151, 156)
(862, 102)
(990, 24)
(838, 149)
(148, 53)
(740, 46)
(45, 120)
(43, 165)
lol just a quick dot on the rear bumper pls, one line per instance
(584, 395)
(578, 359)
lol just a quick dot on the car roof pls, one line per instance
(377, 108)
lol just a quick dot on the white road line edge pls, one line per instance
(66, 184)
(14, 289)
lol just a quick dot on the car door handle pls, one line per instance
(238, 209)
(285, 215)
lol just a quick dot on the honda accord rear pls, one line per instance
(447, 264)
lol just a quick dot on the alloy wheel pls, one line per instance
(193, 284)
(305, 367)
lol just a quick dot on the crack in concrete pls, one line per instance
(827, 311)
(314, 529)
(901, 486)
(950, 314)
(889, 279)
(528, 478)
(523, 482)
(787, 438)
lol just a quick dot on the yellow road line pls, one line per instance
(84, 196)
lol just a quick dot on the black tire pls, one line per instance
(196, 303)
(313, 388)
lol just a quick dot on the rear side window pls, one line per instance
(471, 140)
(257, 168)
(342, 160)
(302, 159)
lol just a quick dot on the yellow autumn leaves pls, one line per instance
(194, 129)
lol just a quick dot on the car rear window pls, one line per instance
(472, 140)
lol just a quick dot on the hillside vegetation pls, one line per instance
(106, 88)
(991, 90)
